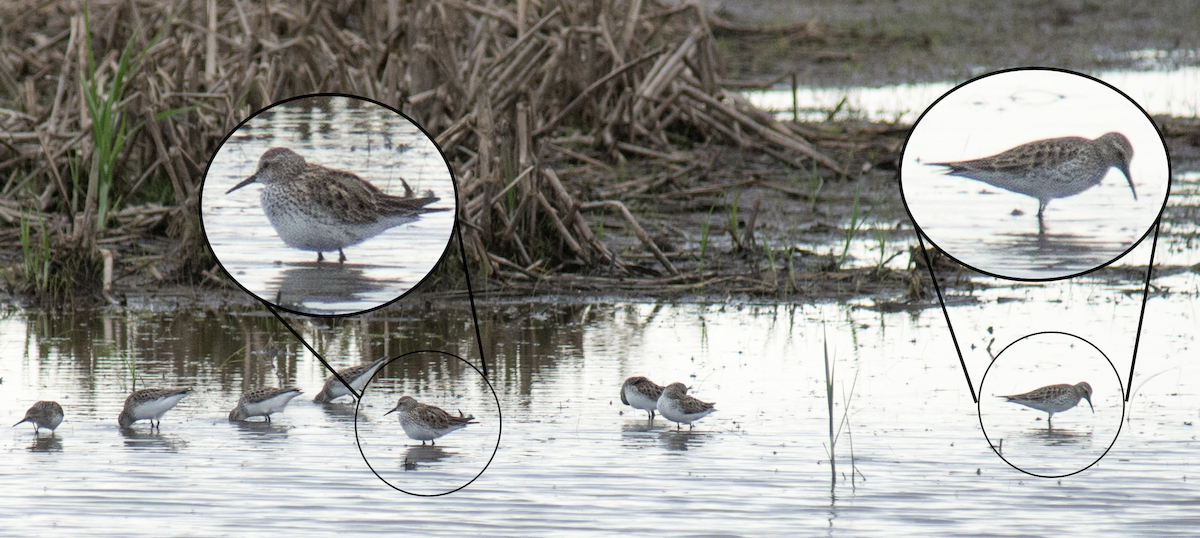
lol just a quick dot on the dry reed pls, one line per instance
(507, 88)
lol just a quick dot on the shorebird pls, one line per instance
(262, 402)
(678, 407)
(149, 404)
(1054, 398)
(1051, 168)
(641, 393)
(425, 422)
(313, 207)
(44, 414)
(356, 376)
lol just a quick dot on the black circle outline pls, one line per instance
(1155, 222)
(979, 404)
(449, 239)
(499, 416)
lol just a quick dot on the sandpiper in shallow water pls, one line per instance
(426, 422)
(149, 404)
(356, 376)
(678, 407)
(1051, 168)
(641, 393)
(262, 402)
(1054, 398)
(313, 207)
(44, 414)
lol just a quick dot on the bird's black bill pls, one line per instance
(1129, 179)
(252, 179)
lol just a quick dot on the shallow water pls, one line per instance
(571, 457)
(1172, 92)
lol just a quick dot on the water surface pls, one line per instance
(571, 457)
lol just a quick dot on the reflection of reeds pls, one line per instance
(844, 422)
(829, 401)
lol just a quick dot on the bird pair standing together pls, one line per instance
(672, 401)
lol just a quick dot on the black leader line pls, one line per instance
(1142, 317)
(946, 313)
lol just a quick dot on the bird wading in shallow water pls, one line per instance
(149, 404)
(641, 393)
(1054, 398)
(356, 376)
(677, 406)
(262, 402)
(313, 207)
(44, 414)
(1050, 168)
(425, 422)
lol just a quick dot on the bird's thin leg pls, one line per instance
(320, 257)
(341, 256)
(1041, 219)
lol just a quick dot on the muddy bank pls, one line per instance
(881, 42)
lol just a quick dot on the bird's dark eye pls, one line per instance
(266, 165)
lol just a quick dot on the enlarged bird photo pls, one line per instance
(1034, 174)
(1051, 403)
(328, 204)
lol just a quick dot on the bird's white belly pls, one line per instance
(640, 401)
(155, 409)
(269, 406)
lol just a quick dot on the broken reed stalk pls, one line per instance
(637, 229)
(502, 82)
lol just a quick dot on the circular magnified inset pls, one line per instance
(328, 204)
(434, 430)
(1051, 404)
(1034, 174)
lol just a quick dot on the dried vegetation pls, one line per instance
(109, 113)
